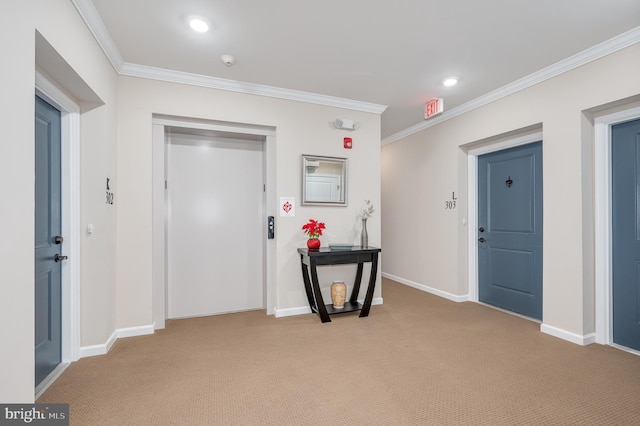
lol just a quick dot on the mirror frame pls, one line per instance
(343, 175)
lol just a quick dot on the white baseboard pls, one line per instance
(141, 330)
(435, 291)
(578, 339)
(301, 310)
(103, 349)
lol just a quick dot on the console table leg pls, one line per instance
(356, 284)
(307, 287)
(372, 285)
(322, 310)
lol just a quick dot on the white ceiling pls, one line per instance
(393, 53)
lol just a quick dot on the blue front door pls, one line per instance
(48, 277)
(510, 229)
(625, 183)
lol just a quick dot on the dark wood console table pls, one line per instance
(311, 258)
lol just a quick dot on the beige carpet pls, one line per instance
(416, 360)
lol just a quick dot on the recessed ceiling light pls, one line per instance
(450, 81)
(199, 24)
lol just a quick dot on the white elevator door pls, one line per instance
(215, 229)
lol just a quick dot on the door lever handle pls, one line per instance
(58, 258)
(482, 240)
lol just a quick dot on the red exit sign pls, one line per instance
(433, 107)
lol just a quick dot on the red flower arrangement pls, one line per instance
(313, 228)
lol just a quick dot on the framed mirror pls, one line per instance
(324, 181)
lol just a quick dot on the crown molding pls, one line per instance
(92, 19)
(94, 22)
(593, 53)
(162, 74)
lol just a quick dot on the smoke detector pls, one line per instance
(228, 60)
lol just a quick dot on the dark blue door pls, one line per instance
(625, 182)
(510, 229)
(48, 277)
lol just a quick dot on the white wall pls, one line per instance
(58, 22)
(426, 244)
(300, 128)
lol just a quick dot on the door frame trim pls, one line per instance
(472, 196)
(159, 272)
(70, 202)
(603, 222)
